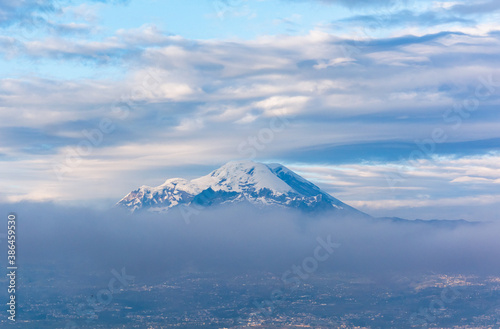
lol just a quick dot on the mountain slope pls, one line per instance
(237, 181)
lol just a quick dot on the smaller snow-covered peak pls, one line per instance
(238, 176)
(180, 184)
(175, 181)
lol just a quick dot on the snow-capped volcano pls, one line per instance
(236, 181)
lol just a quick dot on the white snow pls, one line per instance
(245, 177)
(275, 166)
(238, 176)
(180, 184)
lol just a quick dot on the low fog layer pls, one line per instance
(241, 239)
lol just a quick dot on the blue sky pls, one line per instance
(391, 106)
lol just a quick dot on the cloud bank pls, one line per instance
(236, 240)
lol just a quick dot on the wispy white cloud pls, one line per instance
(470, 181)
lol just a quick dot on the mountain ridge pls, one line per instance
(238, 181)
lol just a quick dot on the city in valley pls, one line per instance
(216, 300)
